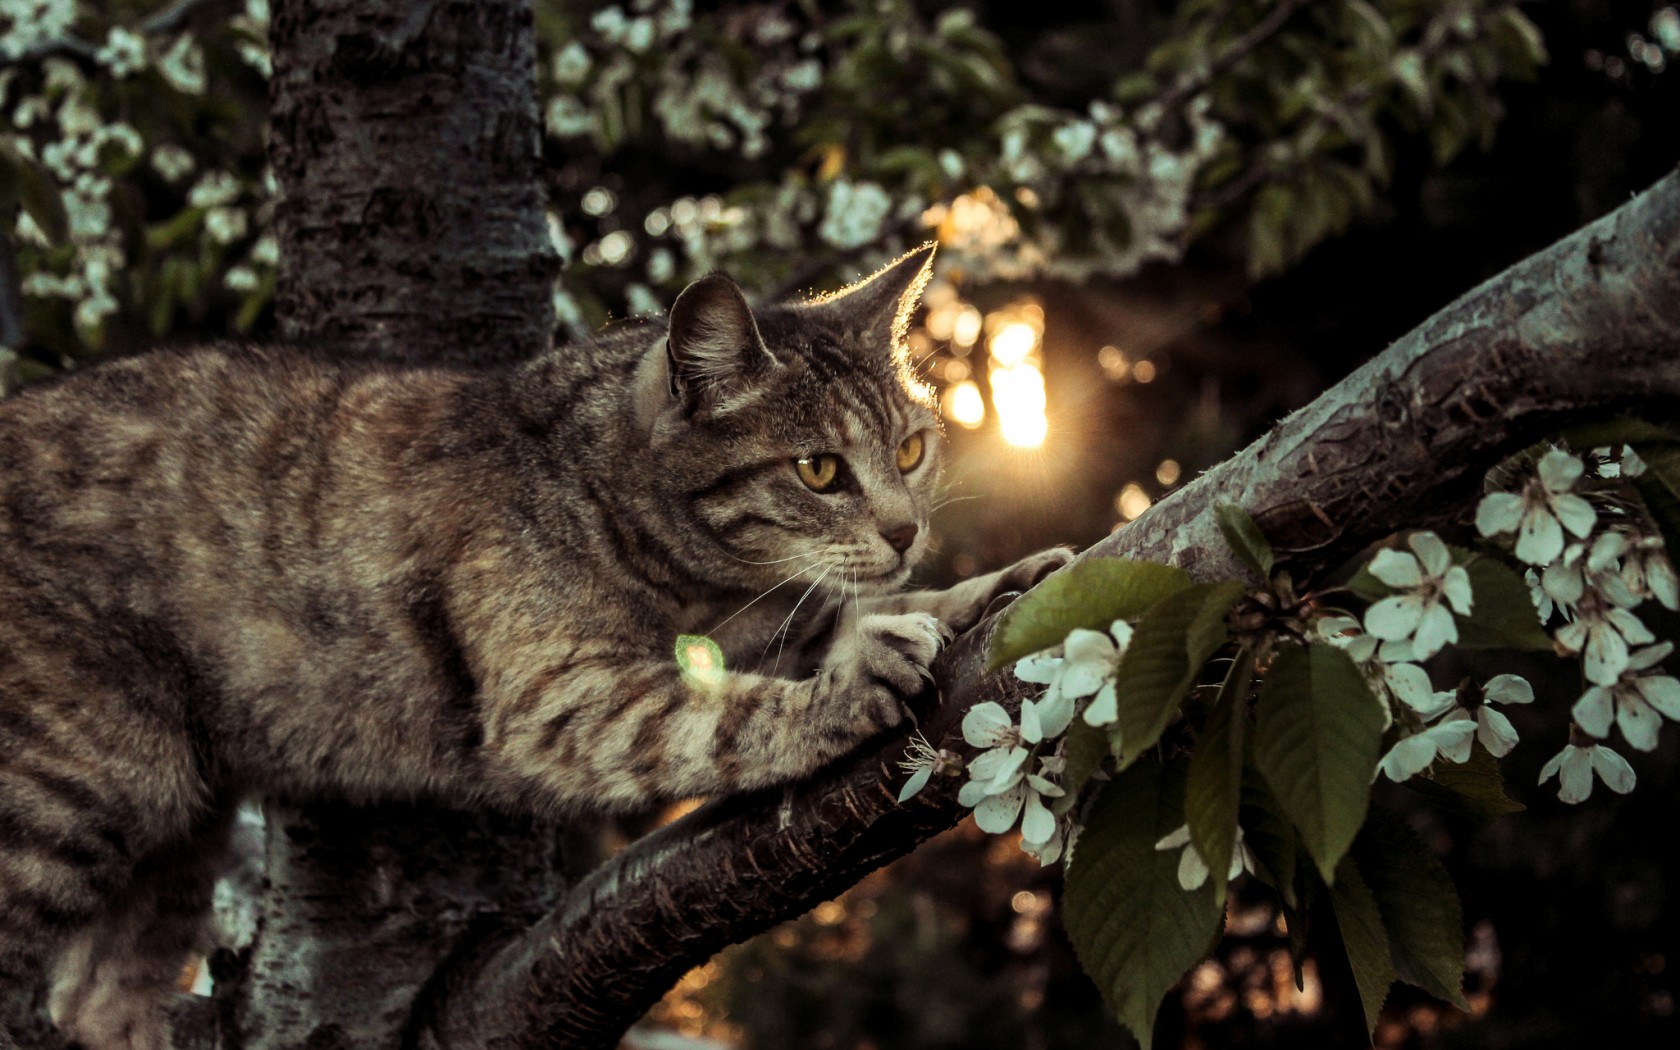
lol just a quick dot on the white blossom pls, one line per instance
(1648, 573)
(1432, 589)
(183, 66)
(854, 214)
(1602, 634)
(1542, 512)
(921, 761)
(1086, 666)
(1387, 675)
(1493, 729)
(1575, 767)
(1637, 702)
(1192, 869)
(225, 225)
(1013, 793)
(124, 52)
(1450, 738)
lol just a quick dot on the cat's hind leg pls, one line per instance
(113, 986)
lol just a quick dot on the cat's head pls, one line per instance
(797, 437)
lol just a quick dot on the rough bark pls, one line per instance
(406, 141)
(1590, 326)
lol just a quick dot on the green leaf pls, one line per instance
(1364, 938)
(1087, 746)
(1168, 648)
(1474, 788)
(36, 193)
(1269, 837)
(1318, 735)
(1246, 540)
(1092, 594)
(1502, 615)
(1419, 906)
(1659, 487)
(1215, 790)
(1135, 930)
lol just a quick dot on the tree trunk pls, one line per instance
(406, 141)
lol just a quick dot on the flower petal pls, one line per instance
(1456, 586)
(1508, 689)
(1121, 632)
(1104, 709)
(1554, 763)
(987, 724)
(1085, 646)
(1638, 723)
(1394, 617)
(997, 814)
(1594, 711)
(1630, 627)
(1613, 769)
(1660, 578)
(1396, 568)
(1499, 512)
(1575, 776)
(1650, 656)
(1192, 869)
(1410, 683)
(1038, 825)
(1434, 631)
(1039, 668)
(1540, 539)
(1453, 738)
(1031, 731)
(1605, 550)
(1662, 693)
(1408, 758)
(918, 780)
(1173, 839)
(1563, 582)
(1575, 513)
(1559, 470)
(1495, 731)
(1054, 714)
(1605, 656)
(1431, 552)
(973, 793)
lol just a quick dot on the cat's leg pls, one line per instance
(603, 735)
(113, 986)
(962, 606)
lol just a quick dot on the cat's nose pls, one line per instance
(900, 536)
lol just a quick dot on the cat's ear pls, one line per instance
(881, 304)
(713, 338)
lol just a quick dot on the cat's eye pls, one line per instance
(818, 472)
(910, 452)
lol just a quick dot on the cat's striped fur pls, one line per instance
(236, 571)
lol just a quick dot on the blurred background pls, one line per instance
(1163, 226)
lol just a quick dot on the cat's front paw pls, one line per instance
(1027, 572)
(880, 666)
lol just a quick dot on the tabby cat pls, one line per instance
(227, 572)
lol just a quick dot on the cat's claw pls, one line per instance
(885, 664)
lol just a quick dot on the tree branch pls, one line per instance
(1591, 325)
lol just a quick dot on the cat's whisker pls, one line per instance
(778, 561)
(755, 601)
(788, 622)
(950, 500)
